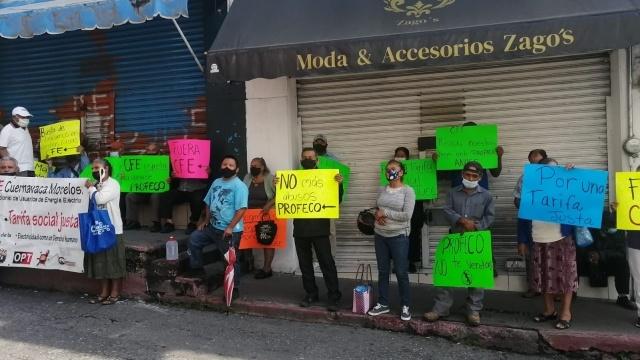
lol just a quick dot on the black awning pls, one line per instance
(272, 38)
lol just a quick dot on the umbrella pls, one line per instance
(229, 273)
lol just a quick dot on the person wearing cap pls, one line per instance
(320, 145)
(15, 141)
(469, 207)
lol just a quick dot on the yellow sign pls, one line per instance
(307, 194)
(59, 139)
(628, 198)
(41, 169)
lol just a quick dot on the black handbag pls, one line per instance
(266, 231)
(366, 221)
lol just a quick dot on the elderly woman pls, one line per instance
(108, 266)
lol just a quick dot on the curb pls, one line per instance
(524, 341)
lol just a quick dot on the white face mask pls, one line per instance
(470, 184)
(399, 158)
(114, 154)
(23, 122)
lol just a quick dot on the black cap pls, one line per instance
(474, 167)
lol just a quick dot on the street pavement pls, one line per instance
(47, 325)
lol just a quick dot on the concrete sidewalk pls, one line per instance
(598, 327)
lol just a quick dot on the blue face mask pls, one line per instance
(393, 174)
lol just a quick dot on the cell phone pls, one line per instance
(103, 173)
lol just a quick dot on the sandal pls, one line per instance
(111, 300)
(563, 324)
(540, 318)
(98, 299)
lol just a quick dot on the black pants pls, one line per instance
(174, 197)
(322, 247)
(614, 266)
(415, 237)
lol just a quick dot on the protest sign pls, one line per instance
(457, 145)
(251, 219)
(190, 158)
(144, 173)
(307, 194)
(628, 199)
(41, 169)
(464, 260)
(40, 227)
(325, 162)
(59, 139)
(557, 195)
(420, 175)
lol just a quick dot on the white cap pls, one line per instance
(19, 110)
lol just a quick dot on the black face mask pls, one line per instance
(308, 164)
(9, 174)
(227, 173)
(255, 171)
(96, 175)
(320, 149)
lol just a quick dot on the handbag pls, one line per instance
(366, 221)
(583, 237)
(363, 291)
(266, 231)
(97, 233)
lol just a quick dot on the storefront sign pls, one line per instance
(628, 199)
(40, 223)
(555, 194)
(251, 219)
(464, 260)
(137, 173)
(457, 145)
(190, 158)
(41, 169)
(420, 175)
(59, 139)
(307, 194)
(325, 162)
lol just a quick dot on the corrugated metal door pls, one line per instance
(138, 80)
(557, 105)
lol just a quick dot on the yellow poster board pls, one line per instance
(307, 194)
(59, 139)
(628, 198)
(41, 169)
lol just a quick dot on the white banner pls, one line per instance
(39, 225)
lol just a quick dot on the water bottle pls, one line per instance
(172, 249)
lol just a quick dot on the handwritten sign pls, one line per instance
(251, 219)
(307, 194)
(420, 175)
(138, 173)
(41, 169)
(628, 198)
(190, 158)
(555, 194)
(325, 162)
(457, 145)
(59, 139)
(464, 260)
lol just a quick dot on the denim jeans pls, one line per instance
(396, 247)
(210, 235)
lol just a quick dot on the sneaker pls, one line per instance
(332, 305)
(405, 315)
(379, 309)
(190, 228)
(431, 316)
(131, 225)
(308, 300)
(473, 319)
(155, 227)
(623, 301)
(637, 324)
(167, 228)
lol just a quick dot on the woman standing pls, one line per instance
(393, 224)
(261, 196)
(554, 267)
(108, 266)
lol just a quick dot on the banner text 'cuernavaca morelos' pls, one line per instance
(39, 225)
(307, 194)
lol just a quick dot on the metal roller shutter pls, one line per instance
(557, 105)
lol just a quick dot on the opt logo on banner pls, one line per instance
(22, 257)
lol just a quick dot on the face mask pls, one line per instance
(320, 149)
(99, 175)
(10, 174)
(612, 230)
(255, 171)
(470, 184)
(23, 122)
(399, 158)
(227, 173)
(308, 164)
(393, 175)
(114, 154)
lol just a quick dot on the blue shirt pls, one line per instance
(224, 199)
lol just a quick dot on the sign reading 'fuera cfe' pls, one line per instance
(307, 194)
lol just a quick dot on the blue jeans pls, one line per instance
(210, 235)
(396, 247)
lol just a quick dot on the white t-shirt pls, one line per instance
(17, 140)
(544, 232)
(108, 197)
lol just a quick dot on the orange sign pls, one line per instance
(251, 219)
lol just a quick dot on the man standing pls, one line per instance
(314, 233)
(320, 145)
(221, 222)
(469, 207)
(15, 141)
